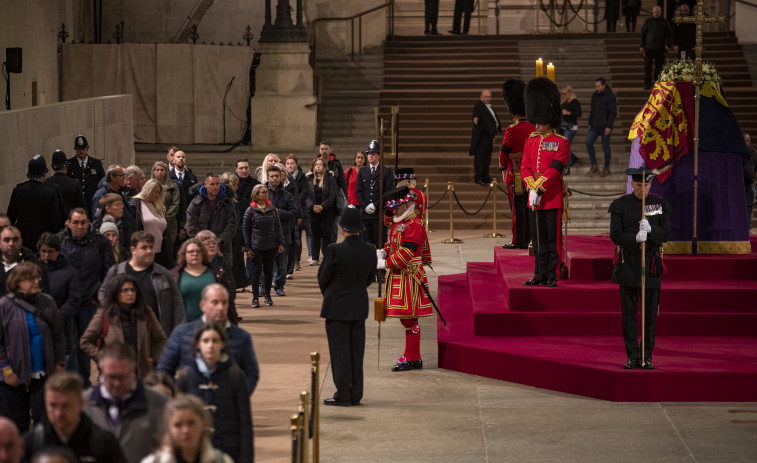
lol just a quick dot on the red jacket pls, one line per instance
(545, 157)
(512, 143)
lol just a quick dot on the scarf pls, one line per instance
(263, 208)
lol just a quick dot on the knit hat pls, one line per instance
(108, 225)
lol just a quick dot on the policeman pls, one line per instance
(87, 170)
(70, 189)
(628, 229)
(545, 155)
(510, 156)
(368, 194)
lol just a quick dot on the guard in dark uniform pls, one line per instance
(348, 268)
(87, 170)
(545, 155)
(69, 188)
(510, 156)
(628, 229)
(367, 191)
(36, 207)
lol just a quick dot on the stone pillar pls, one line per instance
(281, 120)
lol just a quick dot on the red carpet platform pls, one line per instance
(569, 338)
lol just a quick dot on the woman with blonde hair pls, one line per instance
(172, 200)
(571, 111)
(262, 172)
(150, 210)
(321, 205)
(186, 437)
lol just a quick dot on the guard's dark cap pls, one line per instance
(59, 159)
(350, 220)
(512, 93)
(37, 167)
(398, 196)
(81, 142)
(406, 173)
(641, 173)
(543, 102)
(373, 147)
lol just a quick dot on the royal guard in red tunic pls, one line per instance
(510, 155)
(405, 297)
(544, 158)
(406, 176)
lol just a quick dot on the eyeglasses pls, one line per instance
(127, 290)
(194, 251)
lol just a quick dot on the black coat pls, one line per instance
(367, 189)
(287, 209)
(190, 180)
(335, 166)
(604, 109)
(262, 230)
(35, 208)
(88, 178)
(574, 107)
(348, 268)
(625, 214)
(89, 442)
(70, 190)
(656, 34)
(64, 287)
(487, 125)
(302, 191)
(230, 407)
(292, 188)
(91, 256)
(328, 201)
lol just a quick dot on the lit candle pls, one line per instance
(551, 72)
(539, 68)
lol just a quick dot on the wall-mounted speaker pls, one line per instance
(13, 60)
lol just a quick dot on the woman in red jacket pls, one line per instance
(351, 174)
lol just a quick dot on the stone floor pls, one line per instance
(443, 416)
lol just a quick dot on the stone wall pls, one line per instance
(107, 123)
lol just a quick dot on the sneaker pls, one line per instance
(313, 263)
(255, 302)
(289, 276)
(267, 299)
(297, 266)
(280, 292)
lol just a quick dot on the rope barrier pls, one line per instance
(479, 209)
(573, 190)
(446, 192)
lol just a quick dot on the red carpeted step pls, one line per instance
(688, 368)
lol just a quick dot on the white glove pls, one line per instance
(641, 236)
(370, 209)
(532, 198)
(381, 265)
(380, 254)
(644, 226)
(538, 198)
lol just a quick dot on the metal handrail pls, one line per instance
(359, 16)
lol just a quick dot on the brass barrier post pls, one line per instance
(304, 403)
(494, 234)
(586, 16)
(296, 447)
(452, 239)
(426, 211)
(315, 359)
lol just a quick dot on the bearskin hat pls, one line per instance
(512, 93)
(543, 102)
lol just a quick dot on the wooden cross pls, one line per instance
(699, 19)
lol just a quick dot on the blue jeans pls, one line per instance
(591, 137)
(570, 134)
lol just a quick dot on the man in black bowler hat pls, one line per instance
(87, 170)
(347, 270)
(69, 188)
(36, 207)
(628, 230)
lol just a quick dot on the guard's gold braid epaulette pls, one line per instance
(515, 123)
(564, 138)
(534, 134)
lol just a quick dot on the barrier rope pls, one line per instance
(503, 190)
(446, 192)
(479, 209)
(573, 190)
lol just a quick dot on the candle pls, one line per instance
(539, 68)
(551, 72)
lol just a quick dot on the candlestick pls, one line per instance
(551, 72)
(539, 68)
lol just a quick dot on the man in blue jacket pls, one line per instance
(215, 307)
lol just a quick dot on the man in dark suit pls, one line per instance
(485, 126)
(462, 7)
(367, 191)
(183, 176)
(347, 270)
(36, 207)
(87, 170)
(69, 188)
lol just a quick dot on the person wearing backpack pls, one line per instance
(124, 317)
(219, 383)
